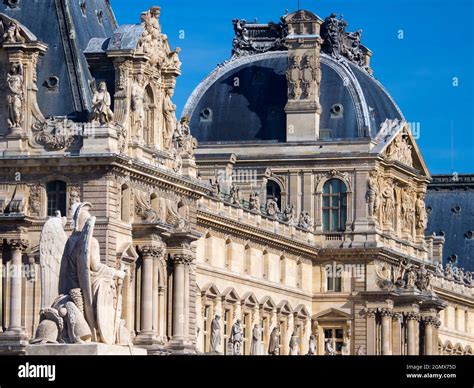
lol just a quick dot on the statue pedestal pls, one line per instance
(13, 342)
(91, 349)
(180, 347)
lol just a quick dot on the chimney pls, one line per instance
(303, 109)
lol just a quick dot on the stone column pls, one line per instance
(162, 313)
(412, 323)
(17, 248)
(429, 323)
(371, 331)
(397, 334)
(14, 339)
(148, 305)
(186, 299)
(178, 297)
(386, 331)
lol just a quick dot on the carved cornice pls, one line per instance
(255, 234)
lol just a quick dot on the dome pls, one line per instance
(244, 101)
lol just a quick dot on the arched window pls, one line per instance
(334, 206)
(274, 192)
(56, 192)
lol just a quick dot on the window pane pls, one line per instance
(327, 333)
(334, 220)
(335, 186)
(326, 220)
(338, 284)
(335, 201)
(325, 201)
(339, 333)
(343, 187)
(338, 346)
(326, 187)
(330, 283)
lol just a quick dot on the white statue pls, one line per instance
(15, 98)
(256, 340)
(101, 102)
(236, 338)
(138, 105)
(88, 307)
(329, 350)
(169, 118)
(294, 342)
(312, 345)
(215, 334)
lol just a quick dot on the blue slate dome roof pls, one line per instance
(244, 101)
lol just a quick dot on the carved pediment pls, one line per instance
(13, 32)
(397, 144)
(332, 314)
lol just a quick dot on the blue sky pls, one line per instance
(419, 70)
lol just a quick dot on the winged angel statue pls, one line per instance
(88, 308)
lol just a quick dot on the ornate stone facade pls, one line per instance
(322, 251)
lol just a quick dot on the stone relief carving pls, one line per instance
(406, 276)
(55, 134)
(254, 38)
(34, 202)
(143, 207)
(89, 302)
(16, 96)
(101, 102)
(10, 32)
(401, 150)
(339, 43)
(310, 75)
(304, 221)
(293, 76)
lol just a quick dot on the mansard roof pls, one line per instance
(450, 206)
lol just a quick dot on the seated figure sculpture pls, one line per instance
(88, 308)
